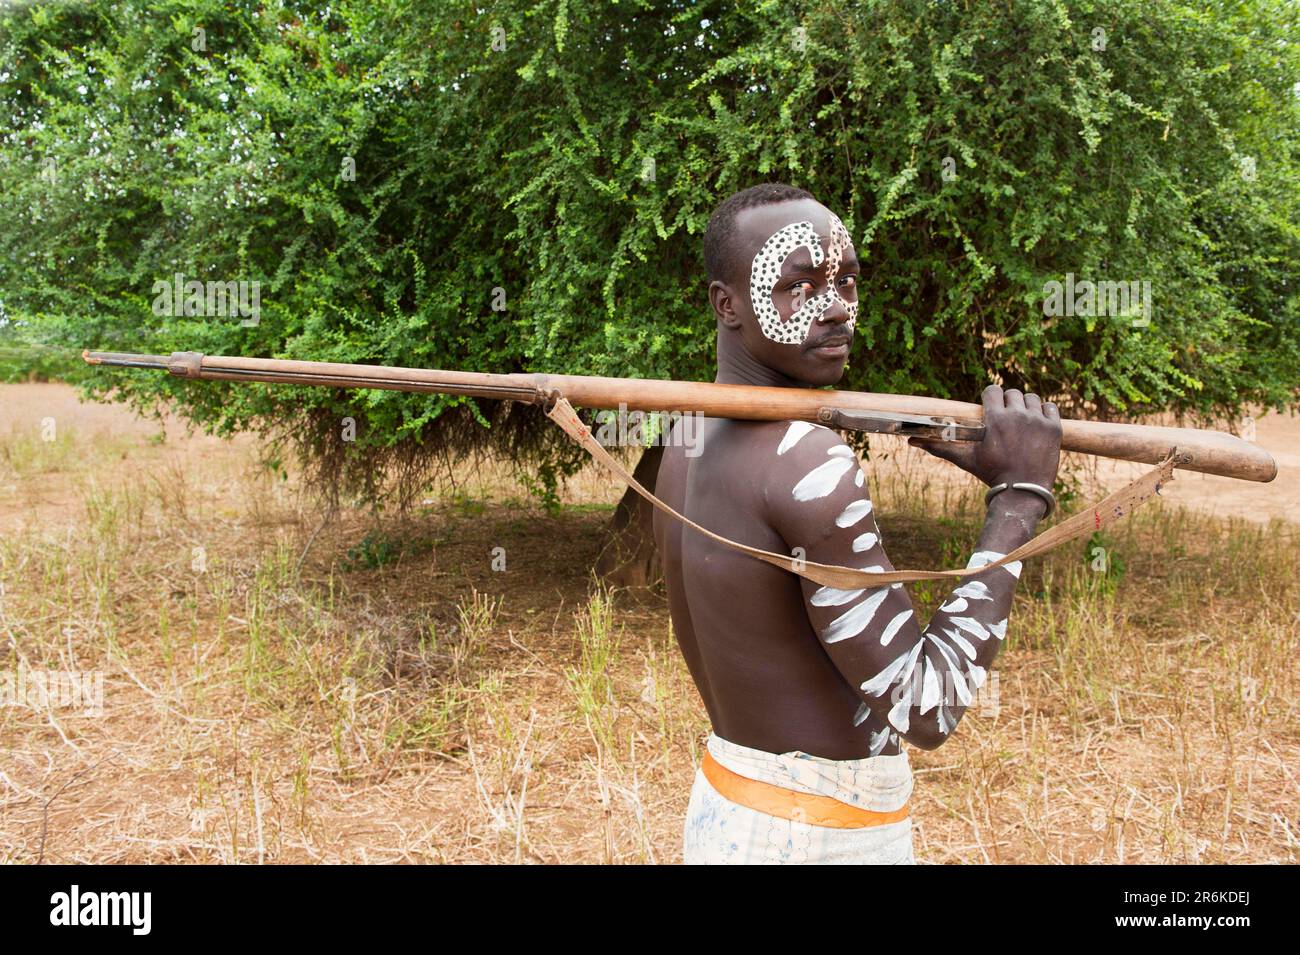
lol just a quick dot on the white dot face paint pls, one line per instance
(765, 273)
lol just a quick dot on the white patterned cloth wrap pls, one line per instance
(719, 831)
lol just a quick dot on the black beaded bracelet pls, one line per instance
(1042, 492)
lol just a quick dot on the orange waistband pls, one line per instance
(788, 804)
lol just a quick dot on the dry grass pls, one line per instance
(278, 689)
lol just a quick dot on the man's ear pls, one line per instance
(723, 299)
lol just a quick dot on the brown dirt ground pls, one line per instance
(128, 793)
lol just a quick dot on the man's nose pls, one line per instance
(837, 313)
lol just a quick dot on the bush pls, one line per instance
(415, 184)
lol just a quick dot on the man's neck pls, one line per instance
(737, 367)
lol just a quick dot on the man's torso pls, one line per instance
(741, 623)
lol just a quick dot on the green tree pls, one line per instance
(389, 172)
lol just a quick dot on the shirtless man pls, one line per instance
(812, 690)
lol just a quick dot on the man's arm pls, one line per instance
(917, 681)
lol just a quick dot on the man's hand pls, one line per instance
(1022, 441)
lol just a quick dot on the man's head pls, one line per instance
(783, 281)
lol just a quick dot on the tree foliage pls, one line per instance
(388, 171)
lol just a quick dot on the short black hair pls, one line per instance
(720, 234)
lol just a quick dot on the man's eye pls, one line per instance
(849, 281)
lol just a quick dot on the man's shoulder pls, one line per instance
(813, 476)
(775, 448)
(783, 437)
(798, 446)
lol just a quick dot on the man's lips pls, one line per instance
(834, 347)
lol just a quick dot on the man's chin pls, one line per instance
(825, 366)
(820, 372)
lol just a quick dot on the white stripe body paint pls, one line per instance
(878, 741)
(930, 691)
(966, 646)
(861, 715)
(833, 596)
(852, 513)
(881, 682)
(971, 626)
(853, 622)
(793, 435)
(955, 669)
(934, 680)
(982, 558)
(945, 723)
(864, 542)
(906, 675)
(900, 713)
(954, 654)
(973, 590)
(959, 687)
(821, 480)
(945, 650)
(893, 627)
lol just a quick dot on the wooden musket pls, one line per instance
(1211, 452)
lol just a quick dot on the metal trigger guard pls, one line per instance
(907, 425)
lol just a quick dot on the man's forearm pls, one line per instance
(965, 635)
(1012, 518)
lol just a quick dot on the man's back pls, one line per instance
(742, 624)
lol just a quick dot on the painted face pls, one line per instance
(765, 273)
